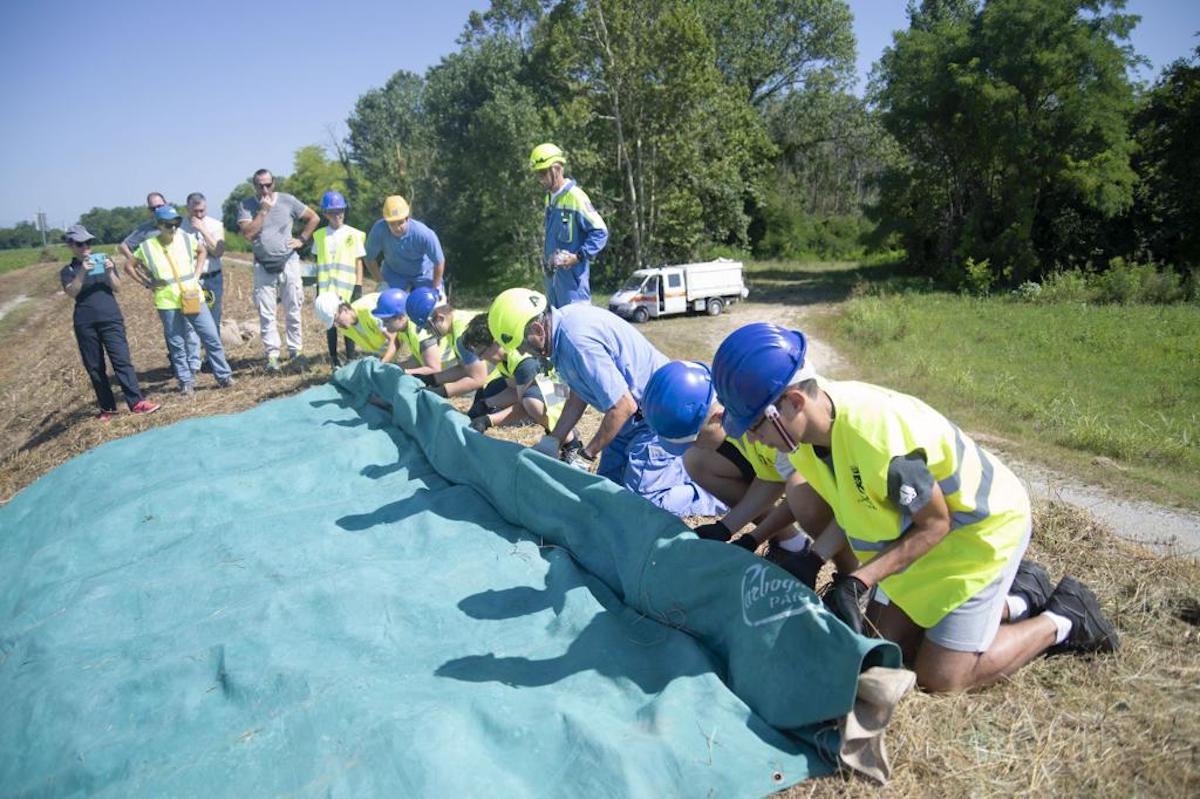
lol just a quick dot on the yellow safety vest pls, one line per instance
(367, 332)
(554, 390)
(760, 456)
(989, 509)
(158, 260)
(448, 343)
(336, 261)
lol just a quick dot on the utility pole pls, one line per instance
(41, 223)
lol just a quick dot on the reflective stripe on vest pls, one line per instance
(989, 509)
(447, 343)
(183, 251)
(336, 266)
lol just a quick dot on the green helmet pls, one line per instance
(511, 311)
(545, 156)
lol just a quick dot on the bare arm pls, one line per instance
(438, 271)
(311, 220)
(253, 226)
(759, 497)
(215, 246)
(392, 348)
(930, 525)
(614, 419)
(114, 277)
(468, 378)
(432, 358)
(573, 408)
(73, 288)
(373, 268)
(358, 271)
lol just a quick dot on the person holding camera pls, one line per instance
(91, 280)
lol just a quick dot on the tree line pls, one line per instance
(998, 141)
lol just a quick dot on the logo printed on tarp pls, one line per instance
(770, 597)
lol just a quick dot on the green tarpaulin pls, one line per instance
(318, 596)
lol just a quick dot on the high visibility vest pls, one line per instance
(989, 509)
(760, 457)
(367, 332)
(554, 390)
(158, 260)
(448, 343)
(336, 260)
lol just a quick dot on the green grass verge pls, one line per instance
(1066, 382)
(26, 256)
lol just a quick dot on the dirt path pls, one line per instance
(1156, 527)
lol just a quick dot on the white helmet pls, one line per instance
(326, 305)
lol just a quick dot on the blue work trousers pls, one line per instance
(636, 460)
(176, 326)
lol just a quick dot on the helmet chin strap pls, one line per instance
(772, 413)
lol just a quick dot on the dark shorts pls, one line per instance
(731, 454)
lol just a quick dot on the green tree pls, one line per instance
(1009, 116)
(111, 225)
(1167, 126)
(486, 203)
(390, 141)
(769, 47)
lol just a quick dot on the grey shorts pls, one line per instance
(972, 626)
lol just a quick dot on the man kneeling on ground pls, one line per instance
(937, 522)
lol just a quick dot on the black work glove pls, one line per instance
(427, 380)
(481, 423)
(847, 599)
(713, 531)
(436, 389)
(746, 542)
(804, 567)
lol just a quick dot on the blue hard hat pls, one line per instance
(421, 303)
(752, 368)
(391, 303)
(333, 201)
(166, 213)
(676, 403)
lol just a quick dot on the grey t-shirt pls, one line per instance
(140, 234)
(271, 244)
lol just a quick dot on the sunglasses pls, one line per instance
(80, 244)
(258, 185)
(166, 225)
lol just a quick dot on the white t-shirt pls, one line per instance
(215, 229)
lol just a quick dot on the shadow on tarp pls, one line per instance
(777, 647)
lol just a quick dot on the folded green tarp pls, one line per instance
(318, 596)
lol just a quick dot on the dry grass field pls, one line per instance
(1122, 725)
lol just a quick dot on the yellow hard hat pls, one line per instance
(545, 156)
(395, 208)
(511, 311)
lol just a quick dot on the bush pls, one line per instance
(977, 278)
(1068, 285)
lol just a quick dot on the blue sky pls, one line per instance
(106, 101)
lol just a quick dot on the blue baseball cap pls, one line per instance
(166, 213)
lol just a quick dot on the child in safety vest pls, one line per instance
(519, 392)
(446, 367)
(373, 321)
(340, 251)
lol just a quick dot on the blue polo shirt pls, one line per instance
(406, 260)
(600, 355)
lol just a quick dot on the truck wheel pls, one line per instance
(640, 315)
(715, 306)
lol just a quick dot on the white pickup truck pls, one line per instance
(705, 287)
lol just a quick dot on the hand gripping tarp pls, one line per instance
(319, 597)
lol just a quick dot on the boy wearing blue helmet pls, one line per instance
(435, 335)
(681, 406)
(936, 521)
(373, 321)
(340, 252)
